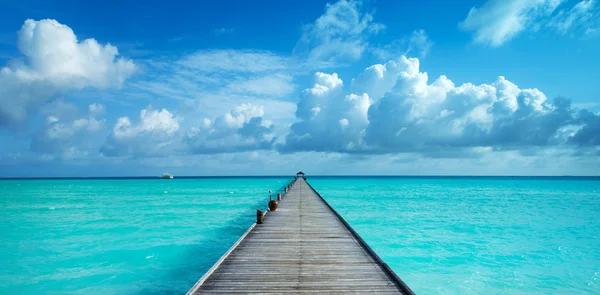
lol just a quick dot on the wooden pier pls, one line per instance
(302, 247)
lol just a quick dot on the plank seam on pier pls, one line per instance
(399, 283)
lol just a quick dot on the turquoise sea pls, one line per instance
(442, 235)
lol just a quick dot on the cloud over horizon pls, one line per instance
(54, 62)
(388, 108)
(345, 89)
(395, 109)
(159, 134)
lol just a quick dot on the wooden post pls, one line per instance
(278, 196)
(286, 189)
(260, 217)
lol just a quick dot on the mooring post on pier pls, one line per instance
(278, 196)
(260, 217)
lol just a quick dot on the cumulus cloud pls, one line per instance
(330, 119)
(153, 135)
(393, 108)
(377, 79)
(417, 116)
(53, 62)
(161, 133)
(96, 108)
(340, 33)
(589, 133)
(241, 129)
(498, 21)
(65, 135)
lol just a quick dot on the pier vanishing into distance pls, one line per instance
(304, 246)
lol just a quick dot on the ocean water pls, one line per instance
(478, 235)
(441, 235)
(135, 236)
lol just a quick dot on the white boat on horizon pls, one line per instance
(166, 176)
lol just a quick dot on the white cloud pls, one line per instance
(249, 61)
(216, 81)
(582, 15)
(419, 42)
(378, 79)
(588, 135)
(229, 77)
(330, 120)
(278, 110)
(241, 114)
(54, 62)
(241, 129)
(498, 21)
(277, 85)
(340, 33)
(96, 108)
(52, 119)
(416, 44)
(399, 110)
(153, 135)
(313, 98)
(160, 134)
(220, 74)
(64, 135)
(151, 121)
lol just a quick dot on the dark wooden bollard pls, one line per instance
(273, 205)
(260, 217)
(278, 196)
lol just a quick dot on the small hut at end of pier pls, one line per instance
(300, 175)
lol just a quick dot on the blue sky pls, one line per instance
(330, 87)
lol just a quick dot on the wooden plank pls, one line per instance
(212, 269)
(302, 247)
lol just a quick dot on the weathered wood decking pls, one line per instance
(302, 247)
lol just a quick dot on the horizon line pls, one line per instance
(308, 176)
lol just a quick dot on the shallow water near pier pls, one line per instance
(440, 235)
